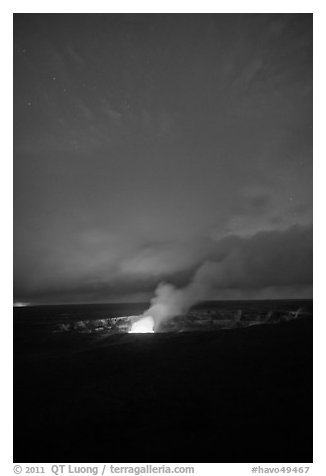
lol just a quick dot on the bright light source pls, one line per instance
(145, 324)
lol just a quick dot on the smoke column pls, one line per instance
(170, 301)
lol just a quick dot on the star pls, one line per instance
(29, 103)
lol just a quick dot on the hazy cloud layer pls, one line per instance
(266, 264)
(151, 147)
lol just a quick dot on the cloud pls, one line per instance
(269, 264)
(184, 146)
(269, 258)
(164, 259)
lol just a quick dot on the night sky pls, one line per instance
(153, 148)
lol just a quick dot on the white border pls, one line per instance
(161, 6)
(168, 6)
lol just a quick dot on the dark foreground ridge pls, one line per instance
(242, 395)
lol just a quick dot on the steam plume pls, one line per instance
(170, 301)
(247, 267)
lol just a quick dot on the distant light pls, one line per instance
(21, 304)
(142, 326)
